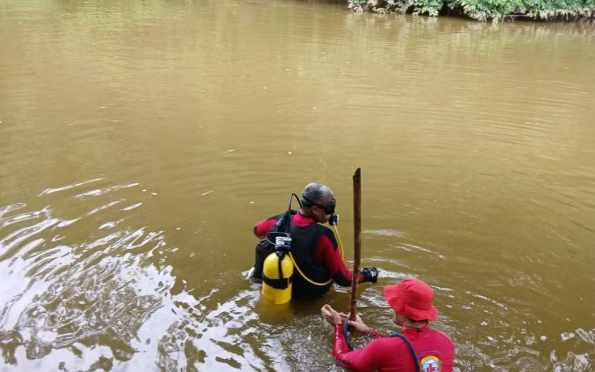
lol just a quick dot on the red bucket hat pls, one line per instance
(412, 298)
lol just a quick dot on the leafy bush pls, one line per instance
(483, 10)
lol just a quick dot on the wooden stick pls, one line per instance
(357, 227)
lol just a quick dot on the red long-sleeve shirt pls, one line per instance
(434, 349)
(327, 253)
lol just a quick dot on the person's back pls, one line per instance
(412, 303)
(306, 235)
(434, 351)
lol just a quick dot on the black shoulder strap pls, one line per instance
(329, 234)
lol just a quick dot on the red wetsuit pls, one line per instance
(434, 349)
(326, 253)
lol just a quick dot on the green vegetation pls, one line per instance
(484, 10)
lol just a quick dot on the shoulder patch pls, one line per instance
(430, 364)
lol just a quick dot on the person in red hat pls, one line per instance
(418, 348)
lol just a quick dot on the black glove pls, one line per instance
(370, 274)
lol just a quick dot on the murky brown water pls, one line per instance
(118, 119)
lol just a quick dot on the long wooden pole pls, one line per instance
(357, 227)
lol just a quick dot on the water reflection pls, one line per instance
(112, 301)
(58, 294)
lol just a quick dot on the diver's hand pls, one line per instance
(370, 274)
(330, 315)
(357, 324)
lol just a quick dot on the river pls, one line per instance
(140, 141)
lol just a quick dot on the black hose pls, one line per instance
(290, 199)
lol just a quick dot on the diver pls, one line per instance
(312, 249)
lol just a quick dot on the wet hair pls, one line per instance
(315, 193)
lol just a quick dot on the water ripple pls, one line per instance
(68, 187)
(95, 295)
(105, 190)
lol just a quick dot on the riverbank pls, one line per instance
(485, 10)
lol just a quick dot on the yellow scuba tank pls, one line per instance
(277, 278)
